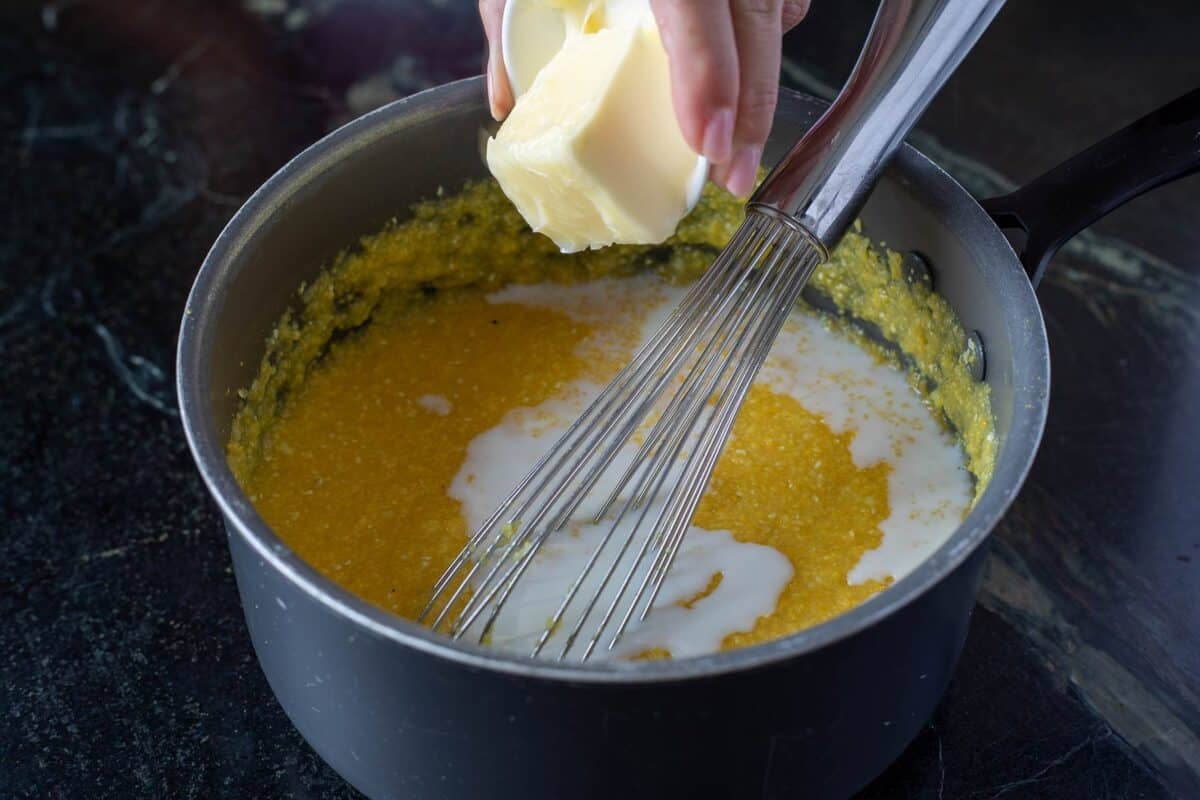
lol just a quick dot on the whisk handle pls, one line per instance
(912, 48)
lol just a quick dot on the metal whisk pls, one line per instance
(646, 446)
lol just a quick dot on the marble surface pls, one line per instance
(130, 130)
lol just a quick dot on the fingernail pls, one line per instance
(491, 92)
(718, 136)
(743, 169)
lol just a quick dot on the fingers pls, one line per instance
(724, 60)
(793, 12)
(702, 52)
(757, 27)
(500, 97)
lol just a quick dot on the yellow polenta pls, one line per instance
(340, 452)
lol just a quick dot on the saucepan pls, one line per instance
(401, 712)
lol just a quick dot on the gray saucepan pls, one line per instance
(403, 713)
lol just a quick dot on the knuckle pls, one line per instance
(758, 98)
(760, 10)
(711, 77)
(756, 106)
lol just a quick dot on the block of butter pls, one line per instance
(592, 154)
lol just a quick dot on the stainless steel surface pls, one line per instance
(399, 710)
(912, 48)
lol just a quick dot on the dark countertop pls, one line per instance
(132, 129)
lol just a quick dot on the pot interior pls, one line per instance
(352, 183)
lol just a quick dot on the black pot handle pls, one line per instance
(1052, 208)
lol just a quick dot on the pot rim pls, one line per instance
(1031, 380)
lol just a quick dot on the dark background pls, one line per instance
(131, 130)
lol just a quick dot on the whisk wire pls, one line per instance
(687, 489)
(690, 388)
(693, 394)
(488, 588)
(679, 316)
(666, 443)
(665, 375)
(713, 443)
(709, 349)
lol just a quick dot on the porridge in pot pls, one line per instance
(426, 369)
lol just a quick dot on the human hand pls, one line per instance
(724, 57)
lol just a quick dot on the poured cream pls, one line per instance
(928, 487)
(752, 575)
